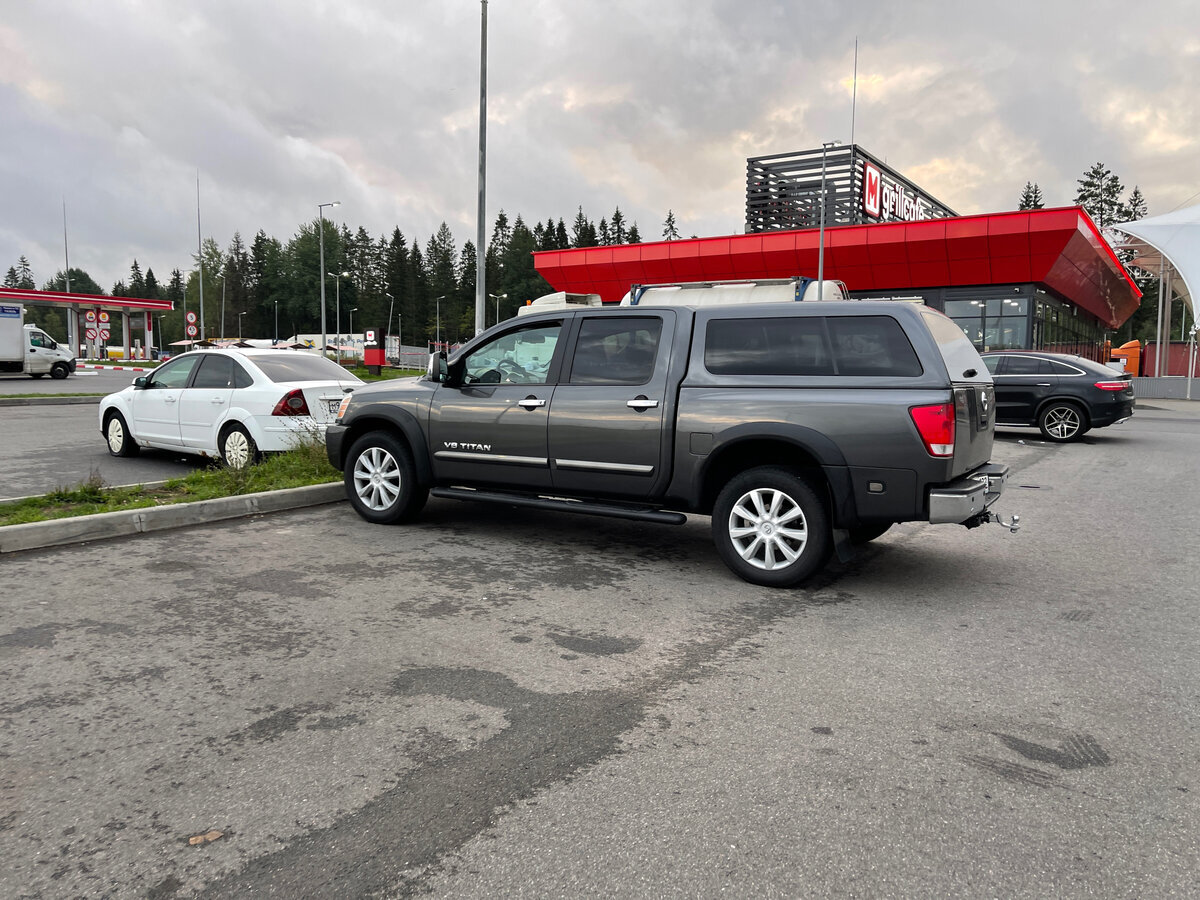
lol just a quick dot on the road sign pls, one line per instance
(191, 319)
(91, 334)
(90, 316)
(104, 334)
(103, 316)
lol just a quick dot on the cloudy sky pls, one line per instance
(115, 105)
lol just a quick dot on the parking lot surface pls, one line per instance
(493, 702)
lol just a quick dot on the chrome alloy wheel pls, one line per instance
(376, 479)
(768, 529)
(116, 435)
(238, 454)
(1063, 422)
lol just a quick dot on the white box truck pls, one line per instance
(27, 350)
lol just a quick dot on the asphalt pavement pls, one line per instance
(495, 702)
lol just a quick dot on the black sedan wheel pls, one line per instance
(1062, 422)
(381, 480)
(770, 527)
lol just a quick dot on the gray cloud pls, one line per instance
(282, 104)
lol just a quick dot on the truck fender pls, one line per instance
(808, 441)
(382, 415)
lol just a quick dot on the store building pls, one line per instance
(1034, 279)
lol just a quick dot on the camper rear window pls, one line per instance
(810, 345)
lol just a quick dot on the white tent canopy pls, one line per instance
(1175, 238)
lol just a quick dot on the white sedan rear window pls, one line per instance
(291, 365)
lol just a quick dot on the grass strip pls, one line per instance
(305, 465)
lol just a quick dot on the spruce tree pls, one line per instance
(1031, 197)
(1099, 193)
(670, 231)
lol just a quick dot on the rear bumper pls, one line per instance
(968, 496)
(1112, 414)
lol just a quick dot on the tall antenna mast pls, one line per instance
(854, 92)
(66, 256)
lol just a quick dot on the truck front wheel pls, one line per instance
(381, 480)
(59, 371)
(770, 527)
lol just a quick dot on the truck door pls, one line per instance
(606, 423)
(490, 428)
(38, 355)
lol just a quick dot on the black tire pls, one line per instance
(746, 528)
(381, 480)
(237, 448)
(864, 534)
(59, 371)
(117, 436)
(1062, 422)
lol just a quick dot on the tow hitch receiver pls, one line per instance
(1013, 524)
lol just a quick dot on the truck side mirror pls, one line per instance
(437, 370)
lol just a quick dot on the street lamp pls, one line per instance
(498, 298)
(438, 333)
(355, 355)
(338, 276)
(222, 277)
(242, 313)
(825, 147)
(321, 216)
(276, 321)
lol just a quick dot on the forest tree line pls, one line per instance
(388, 282)
(270, 289)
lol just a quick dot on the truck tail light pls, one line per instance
(935, 424)
(292, 404)
(1112, 385)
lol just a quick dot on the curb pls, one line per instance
(48, 400)
(58, 532)
(116, 368)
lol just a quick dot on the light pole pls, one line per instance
(276, 321)
(222, 277)
(821, 251)
(321, 216)
(242, 313)
(498, 298)
(438, 333)
(338, 276)
(355, 355)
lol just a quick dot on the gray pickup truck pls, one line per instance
(800, 428)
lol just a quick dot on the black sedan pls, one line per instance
(1065, 396)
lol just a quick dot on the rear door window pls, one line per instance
(214, 372)
(616, 350)
(1026, 365)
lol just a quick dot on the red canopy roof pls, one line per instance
(1060, 248)
(83, 301)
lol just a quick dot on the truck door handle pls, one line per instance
(642, 402)
(531, 403)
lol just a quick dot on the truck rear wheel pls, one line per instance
(770, 527)
(381, 480)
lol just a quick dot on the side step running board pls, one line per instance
(590, 508)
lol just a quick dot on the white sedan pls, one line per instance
(231, 404)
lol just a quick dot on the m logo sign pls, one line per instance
(870, 190)
(369, 336)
